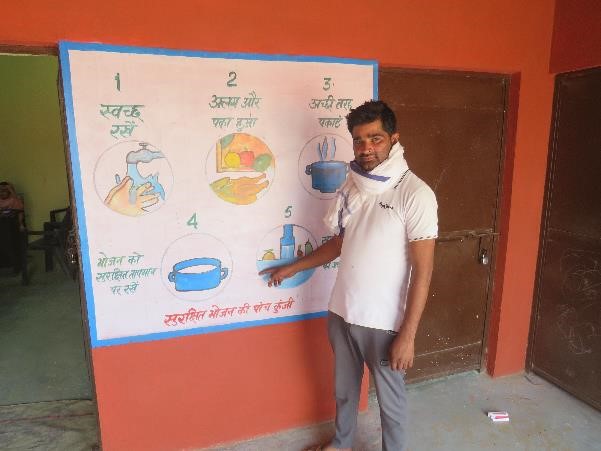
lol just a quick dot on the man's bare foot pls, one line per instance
(326, 448)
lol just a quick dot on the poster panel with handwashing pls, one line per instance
(193, 172)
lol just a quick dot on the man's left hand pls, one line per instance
(401, 353)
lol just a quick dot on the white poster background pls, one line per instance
(181, 102)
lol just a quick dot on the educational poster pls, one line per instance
(195, 171)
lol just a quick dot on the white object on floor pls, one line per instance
(498, 417)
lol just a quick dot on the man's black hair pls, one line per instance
(370, 111)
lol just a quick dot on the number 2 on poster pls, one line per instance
(231, 83)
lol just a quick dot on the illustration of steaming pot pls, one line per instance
(327, 176)
(197, 274)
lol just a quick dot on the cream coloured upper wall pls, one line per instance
(31, 140)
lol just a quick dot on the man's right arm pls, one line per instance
(325, 253)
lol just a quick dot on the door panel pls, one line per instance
(456, 153)
(576, 191)
(451, 125)
(452, 327)
(566, 338)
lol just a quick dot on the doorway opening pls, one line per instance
(43, 351)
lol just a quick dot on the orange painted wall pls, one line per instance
(198, 390)
(192, 392)
(576, 35)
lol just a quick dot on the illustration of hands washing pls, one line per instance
(119, 198)
(136, 194)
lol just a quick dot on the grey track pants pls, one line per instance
(353, 346)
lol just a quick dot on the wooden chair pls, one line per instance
(56, 242)
(13, 243)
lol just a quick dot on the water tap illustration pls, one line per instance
(135, 193)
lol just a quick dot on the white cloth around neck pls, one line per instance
(360, 184)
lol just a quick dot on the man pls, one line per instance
(385, 223)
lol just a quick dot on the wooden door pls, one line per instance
(451, 125)
(566, 333)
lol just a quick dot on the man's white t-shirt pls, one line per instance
(373, 276)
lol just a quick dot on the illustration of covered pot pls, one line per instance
(327, 175)
(198, 274)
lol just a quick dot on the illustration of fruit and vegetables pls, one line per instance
(242, 153)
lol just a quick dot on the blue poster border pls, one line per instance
(64, 48)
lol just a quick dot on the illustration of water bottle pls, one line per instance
(287, 243)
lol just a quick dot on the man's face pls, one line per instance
(372, 144)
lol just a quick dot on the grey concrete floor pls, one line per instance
(450, 414)
(42, 356)
(446, 414)
(49, 426)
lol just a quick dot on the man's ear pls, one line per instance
(395, 137)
